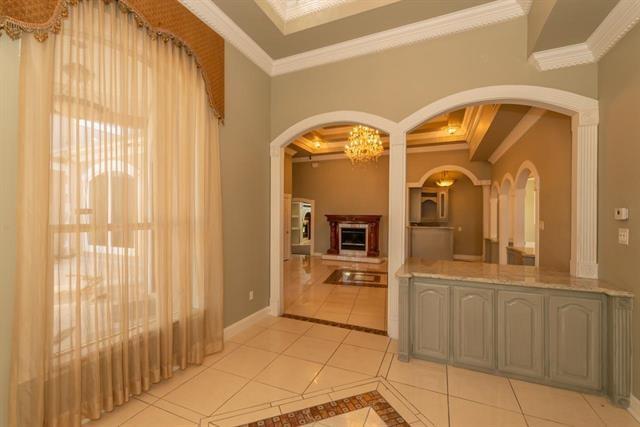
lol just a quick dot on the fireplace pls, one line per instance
(353, 239)
(354, 235)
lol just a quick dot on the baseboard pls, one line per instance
(245, 323)
(461, 257)
(634, 407)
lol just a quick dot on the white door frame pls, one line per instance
(583, 110)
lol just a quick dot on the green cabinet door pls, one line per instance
(521, 333)
(575, 333)
(473, 337)
(431, 321)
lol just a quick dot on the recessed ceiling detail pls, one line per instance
(296, 15)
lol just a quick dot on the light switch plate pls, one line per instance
(623, 236)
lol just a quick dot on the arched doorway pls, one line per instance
(526, 210)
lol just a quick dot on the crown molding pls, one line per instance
(463, 20)
(456, 22)
(209, 13)
(614, 26)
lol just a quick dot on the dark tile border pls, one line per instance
(371, 399)
(336, 324)
(335, 278)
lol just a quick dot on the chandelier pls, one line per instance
(445, 181)
(364, 145)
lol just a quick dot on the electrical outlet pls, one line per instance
(250, 295)
(623, 236)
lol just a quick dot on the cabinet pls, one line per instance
(521, 333)
(575, 332)
(473, 338)
(431, 321)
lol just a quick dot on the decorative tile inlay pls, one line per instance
(336, 324)
(371, 399)
(347, 277)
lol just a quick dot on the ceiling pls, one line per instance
(330, 24)
(480, 129)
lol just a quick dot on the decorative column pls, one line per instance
(397, 222)
(620, 349)
(486, 217)
(403, 338)
(584, 195)
(275, 257)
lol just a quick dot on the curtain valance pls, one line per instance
(167, 20)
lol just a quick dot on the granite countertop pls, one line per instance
(514, 275)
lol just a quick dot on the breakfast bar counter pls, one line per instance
(520, 321)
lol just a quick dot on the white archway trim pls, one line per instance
(397, 232)
(504, 189)
(527, 165)
(448, 168)
(526, 169)
(552, 99)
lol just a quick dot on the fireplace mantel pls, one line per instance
(373, 232)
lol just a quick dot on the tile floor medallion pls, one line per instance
(349, 277)
(286, 372)
(349, 411)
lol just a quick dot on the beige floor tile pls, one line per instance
(333, 377)
(246, 418)
(393, 347)
(432, 405)
(306, 403)
(491, 390)
(266, 321)
(326, 332)
(156, 417)
(179, 377)
(206, 392)
(466, 413)
(611, 415)
(229, 346)
(290, 374)
(350, 419)
(292, 325)
(120, 414)
(178, 410)
(368, 321)
(246, 361)
(539, 422)
(555, 404)
(332, 316)
(254, 394)
(273, 340)
(419, 373)
(385, 365)
(374, 420)
(357, 359)
(312, 349)
(353, 391)
(398, 404)
(147, 398)
(246, 335)
(303, 310)
(366, 340)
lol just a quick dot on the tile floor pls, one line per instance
(306, 294)
(282, 365)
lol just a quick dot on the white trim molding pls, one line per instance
(634, 407)
(518, 131)
(467, 19)
(617, 23)
(246, 322)
(472, 177)
(463, 20)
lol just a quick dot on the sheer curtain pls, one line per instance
(119, 275)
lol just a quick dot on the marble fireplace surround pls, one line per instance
(372, 223)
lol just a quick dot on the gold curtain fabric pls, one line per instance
(119, 275)
(167, 20)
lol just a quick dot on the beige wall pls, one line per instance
(8, 177)
(339, 188)
(619, 174)
(397, 82)
(551, 134)
(244, 150)
(465, 216)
